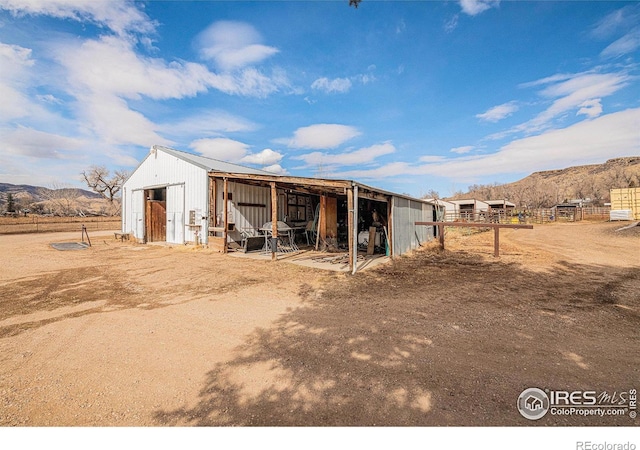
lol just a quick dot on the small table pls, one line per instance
(286, 238)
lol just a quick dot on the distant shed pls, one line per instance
(471, 209)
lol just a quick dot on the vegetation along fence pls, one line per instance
(41, 224)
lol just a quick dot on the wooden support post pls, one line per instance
(389, 234)
(354, 261)
(372, 241)
(225, 214)
(274, 219)
(496, 227)
(322, 221)
(212, 203)
(350, 223)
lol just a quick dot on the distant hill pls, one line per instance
(547, 188)
(37, 191)
(61, 201)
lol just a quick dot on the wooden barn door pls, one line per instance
(156, 220)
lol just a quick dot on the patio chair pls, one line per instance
(310, 232)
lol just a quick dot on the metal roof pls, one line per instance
(214, 165)
(500, 202)
(211, 164)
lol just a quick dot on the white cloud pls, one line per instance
(474, 7)
(225, 149)
(452, 23)
(628, 43)
(102, 73)
(431, 158)
(590, 108)
(233, 45)
(120, 16)
(276, 169)
(15, 62)
(620, 19)
(568, 92)
(220, 148)
(340, 85)
(208, 123)
(590, 141)
(573, 92)
(48, 98)
(266, 157)
(112, 121)
(462, 150)
(111, 65)
(320, 136)
(499, 112)
(360, 156)
(25, 141)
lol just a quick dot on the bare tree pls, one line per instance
(100, 180)
(60, 200)
(431, 193)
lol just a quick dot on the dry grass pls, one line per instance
(39, 224)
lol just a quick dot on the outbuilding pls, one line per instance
(178, 197)
(471, 209)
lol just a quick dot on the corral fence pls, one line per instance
(43, 224)
(547, 215)
(532, 216)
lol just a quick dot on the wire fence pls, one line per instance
(45, 224)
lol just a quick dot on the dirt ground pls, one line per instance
(132, 335)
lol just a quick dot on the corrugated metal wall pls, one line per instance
(406, 235)
(626, 199)
(158, 170)
(244, 217)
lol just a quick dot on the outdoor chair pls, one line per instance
(310, 232)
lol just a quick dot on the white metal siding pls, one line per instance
(406, 235)
(158, 170)
(137, 214)
(244, 218)
(175, 214)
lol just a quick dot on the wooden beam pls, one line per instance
(371, 245)
(341, 184)
(225, 213)
(252, 205)
(274, 219)
(354, 262)
(390, 226)
(373, 196)
(350, 223)
(322, 220)
(212, 202)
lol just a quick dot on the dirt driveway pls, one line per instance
(125, 334)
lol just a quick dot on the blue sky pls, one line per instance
(406, 96)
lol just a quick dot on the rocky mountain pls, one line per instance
(547, 188)
(62, 200)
